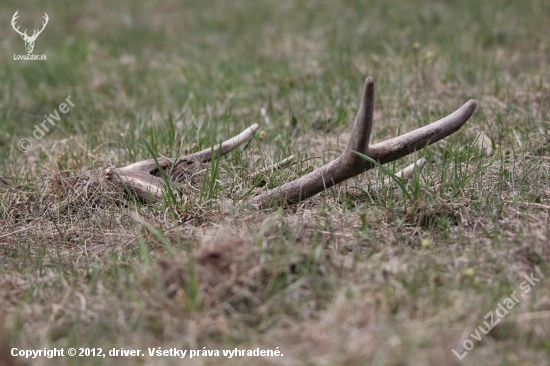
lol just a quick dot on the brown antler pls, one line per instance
(146, 180)
(350, 164)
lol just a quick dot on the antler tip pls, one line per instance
(368, 92)
(470, 107)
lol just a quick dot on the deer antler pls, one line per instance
(145, 180)
(350, 164)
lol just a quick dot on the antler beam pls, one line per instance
(350, 164)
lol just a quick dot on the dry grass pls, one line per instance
(365, 273)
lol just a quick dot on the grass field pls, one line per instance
(363, 274)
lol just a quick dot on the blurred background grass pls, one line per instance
(123, 61)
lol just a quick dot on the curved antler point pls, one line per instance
(470, 107)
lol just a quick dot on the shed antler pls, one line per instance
(350, 164)
(146, 180)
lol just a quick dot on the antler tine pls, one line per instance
(344, 167)
(350, 164)
(403, 145)
(363, 122)
(205, 155)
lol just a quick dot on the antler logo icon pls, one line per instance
(29, 40)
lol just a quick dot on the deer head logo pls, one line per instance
(29, 40)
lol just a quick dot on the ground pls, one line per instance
(368, 272)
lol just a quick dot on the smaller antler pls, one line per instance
(145, 180)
